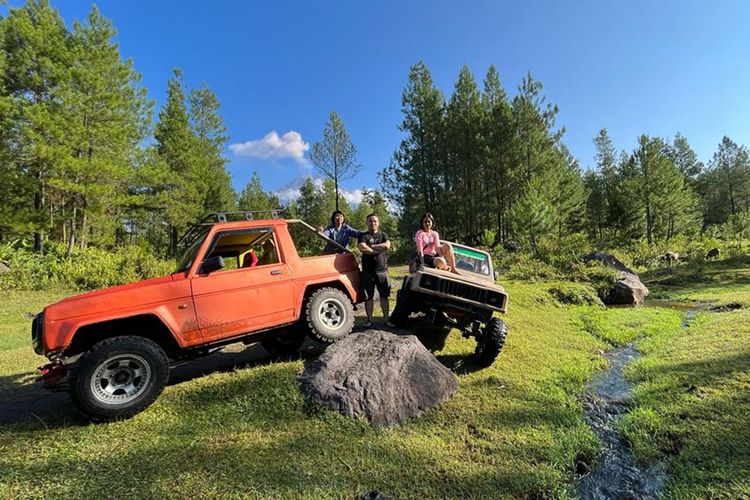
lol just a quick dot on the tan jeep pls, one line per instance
(466, 300)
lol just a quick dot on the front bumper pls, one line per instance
(52, 374)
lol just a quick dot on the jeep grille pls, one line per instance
(462, 290)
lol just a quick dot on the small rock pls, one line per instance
(4, 267)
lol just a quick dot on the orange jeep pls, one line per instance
(250, 280)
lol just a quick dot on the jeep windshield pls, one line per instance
(189, 256)
(472, 260)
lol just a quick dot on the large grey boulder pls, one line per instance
(628, 290)
(384, 377)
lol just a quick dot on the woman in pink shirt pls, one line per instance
(429, 250)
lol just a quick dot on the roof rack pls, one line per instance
(219, 217)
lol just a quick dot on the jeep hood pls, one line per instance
(464, 277)
(108, 299)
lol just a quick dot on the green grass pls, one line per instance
(692, 397)
(16, 355)
(513, 430)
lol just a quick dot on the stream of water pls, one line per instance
(618, 475)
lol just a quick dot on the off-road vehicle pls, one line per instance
(466, 299)
(244, 280)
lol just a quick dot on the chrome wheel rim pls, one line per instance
(120, 379)
(332, 313)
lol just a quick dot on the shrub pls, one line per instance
(575, 293)
(87, 269)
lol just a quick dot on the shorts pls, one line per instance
(379, 280)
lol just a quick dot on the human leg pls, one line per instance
(385, 306)
(368, 311)
(447, 252)
(384, 291)
(368, 288)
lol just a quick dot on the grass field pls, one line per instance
(513, 430)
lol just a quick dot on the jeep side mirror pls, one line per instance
(212, 264)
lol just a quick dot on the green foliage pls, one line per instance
(335, 155)
(532, 217)
(253, 197)
(85, 269)
(575, 294)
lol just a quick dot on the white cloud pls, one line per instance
(290, 191)
(289, 145)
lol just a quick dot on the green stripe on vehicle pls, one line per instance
(469, 253)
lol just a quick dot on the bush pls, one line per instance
(88, 269)
(575, 293)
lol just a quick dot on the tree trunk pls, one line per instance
(84, 220)
(72, 240)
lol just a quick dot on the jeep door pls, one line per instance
(253, 291)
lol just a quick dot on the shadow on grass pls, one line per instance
(731, 272)
(24, 400)
(253, 435)
(706, 424)
(287, 467)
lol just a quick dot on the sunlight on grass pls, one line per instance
(515, 429)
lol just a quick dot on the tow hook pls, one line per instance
(52, 373)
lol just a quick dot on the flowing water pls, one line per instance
(607, 398)
(617, 475)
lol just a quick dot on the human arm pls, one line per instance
(418, 243)
(382, 247)
(363, 247)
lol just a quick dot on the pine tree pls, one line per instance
(36, 75)
(532, 216)
(335, 156)
(253, 197)
(210, 130)
(464, 159)
(535, 129)
(178, 149)
(685, 158)
(499, 142)
(725, 185)
(109, 115)
(415, 180)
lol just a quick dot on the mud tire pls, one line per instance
(286, 342)
(329, 315)
(490, 343)
(136, 361)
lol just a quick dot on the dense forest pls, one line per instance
(87, 161)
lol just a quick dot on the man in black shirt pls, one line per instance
(374, 245)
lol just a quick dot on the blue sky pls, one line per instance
(631, 67)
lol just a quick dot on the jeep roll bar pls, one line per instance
(217, 217)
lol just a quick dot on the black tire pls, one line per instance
(118, 377)
(406, 304)
(329, 315)
(491, 342)
(285, 342)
